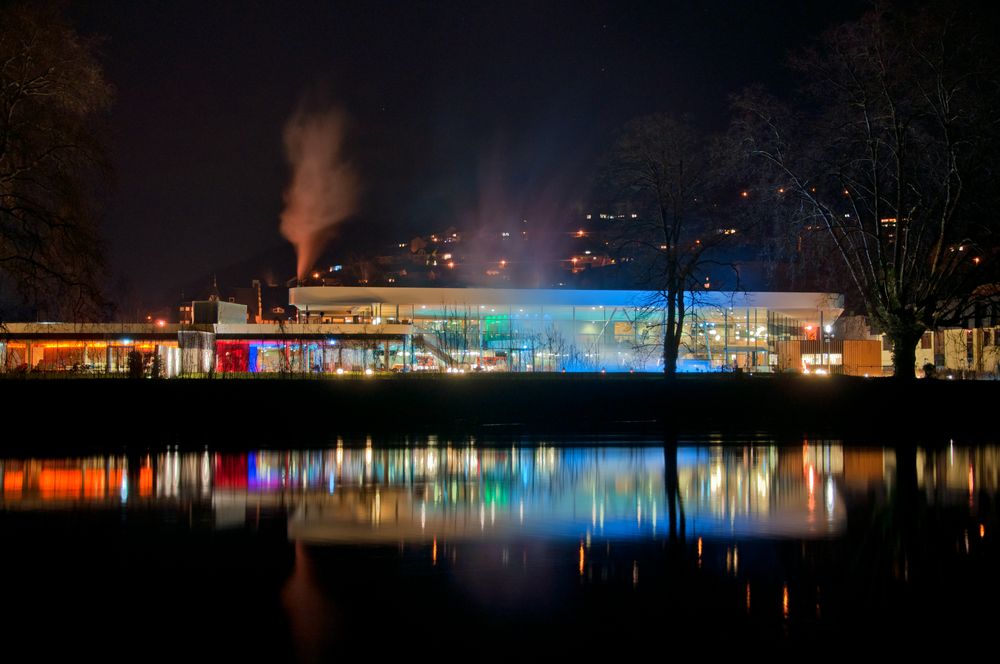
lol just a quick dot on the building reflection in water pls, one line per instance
(374, 494)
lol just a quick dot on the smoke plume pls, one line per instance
(324, 187)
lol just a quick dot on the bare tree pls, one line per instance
(672, 173)
(892, 151)
(52, 98)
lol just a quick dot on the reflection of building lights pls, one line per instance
(581, 558)
(784, 600)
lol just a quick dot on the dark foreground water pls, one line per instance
(459, 550)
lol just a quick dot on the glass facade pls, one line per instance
(82, 356)
(368, 330)
(525, 338)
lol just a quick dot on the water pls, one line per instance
(433, 546)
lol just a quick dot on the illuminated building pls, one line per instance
(363, 330)
(573, 330)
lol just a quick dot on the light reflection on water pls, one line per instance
(369, 495)
(768, 542)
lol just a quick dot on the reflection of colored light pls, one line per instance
(434, 552)
(784, 600)
(230, 471)
(145, 481)
(60, 483)
(93, 483)
(13, 482)
(581, 558)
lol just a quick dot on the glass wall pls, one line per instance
(317, 356)
(584, 338)
(80, 356)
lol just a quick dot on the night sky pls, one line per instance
(461, 113)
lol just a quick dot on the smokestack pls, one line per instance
(324, 187)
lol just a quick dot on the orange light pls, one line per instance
(781, 190)
(744, 194)
(581, 558)
(60, 483)
(451, 264)
(580, 233)
(13, 482)
(93, 483)
(145, 481)
(160, 322)
(503, 263)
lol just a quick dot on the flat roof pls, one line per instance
(318, 298)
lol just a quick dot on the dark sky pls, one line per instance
(461, 112)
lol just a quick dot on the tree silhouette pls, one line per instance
(892, 151)
(52, 97)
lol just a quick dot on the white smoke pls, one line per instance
(324, 188)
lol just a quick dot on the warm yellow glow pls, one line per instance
(784, 600)
(581, 558)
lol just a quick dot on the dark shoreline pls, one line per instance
(73, 414)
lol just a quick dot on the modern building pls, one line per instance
(574, 330)
(383, 329)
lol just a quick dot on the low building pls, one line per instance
(375, 329)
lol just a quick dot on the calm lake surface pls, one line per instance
(437, 545)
